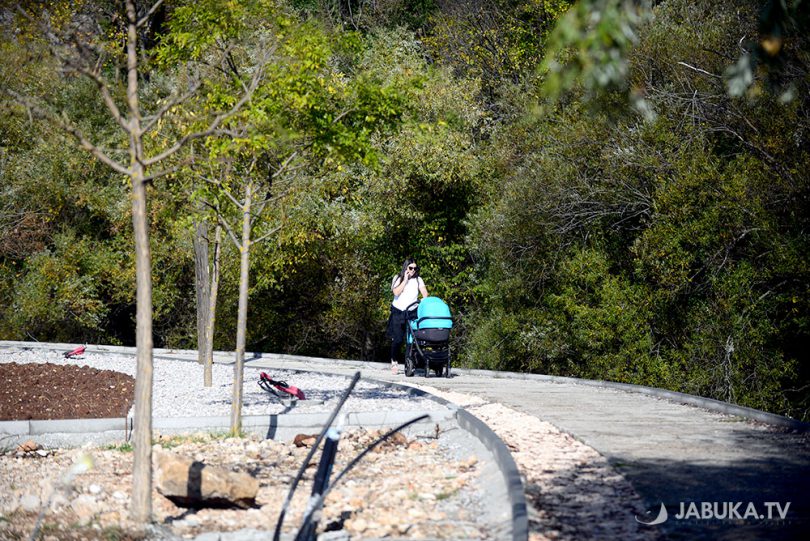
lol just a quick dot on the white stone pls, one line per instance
(30, 503)
(10, 505)
(85, 506)
(58, 501)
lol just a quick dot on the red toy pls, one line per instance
(76, 352)
(273, 387)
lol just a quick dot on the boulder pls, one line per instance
(190, 483)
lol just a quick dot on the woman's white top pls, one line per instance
(409, 294)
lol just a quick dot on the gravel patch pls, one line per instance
(178, 389)
(573, 494)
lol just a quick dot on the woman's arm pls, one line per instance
(397, 289)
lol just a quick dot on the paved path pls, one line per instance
(671, 453)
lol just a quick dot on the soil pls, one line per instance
(50, 391)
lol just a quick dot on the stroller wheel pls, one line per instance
(409, 368)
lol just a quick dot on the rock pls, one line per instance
(398, 439)
(416, 514)
(85, 506)
(253, 451)
(337, 535)
(305, 440)
(193, 521)
(358, 525)
(470, 462)
(110, 518)
(43, 453)
(208, 536)
(30, 503)
(94, 489)
(58, 501)
(118, 495)
(190, 483)
(10, 505)
(27, 447)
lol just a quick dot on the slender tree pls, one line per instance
(250, 207)
(78, 54)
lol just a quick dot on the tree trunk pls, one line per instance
(142, 438)
(212, 309)
(241, 321)
(141, 503)
(202, 286)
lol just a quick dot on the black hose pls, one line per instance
(300, 474)
(317, 503)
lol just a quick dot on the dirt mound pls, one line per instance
(50, 391)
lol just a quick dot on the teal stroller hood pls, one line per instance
(431, 321)
(433, 313)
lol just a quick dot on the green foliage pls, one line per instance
(498, 43)
(590, 44)
(666, 248)
(125, 447)
(195, 27)
(68, 292)
(347, 228)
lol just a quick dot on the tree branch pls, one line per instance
(267, 235)
(151, 120)
(224, 223)
(227, 193)
(699, 70)
(165, 172)
(63, 123)
(106, 96)
(145, 19)
(208, 131)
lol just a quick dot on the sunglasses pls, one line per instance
(412, 267)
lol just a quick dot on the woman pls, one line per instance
(406, 287)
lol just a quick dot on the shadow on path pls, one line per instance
(720, 499)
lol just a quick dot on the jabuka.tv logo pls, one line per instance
(724, 511)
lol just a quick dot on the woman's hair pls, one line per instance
(401, 275)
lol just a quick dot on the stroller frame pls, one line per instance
(421, 352)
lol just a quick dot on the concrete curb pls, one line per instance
(496, 446)
(673, 396)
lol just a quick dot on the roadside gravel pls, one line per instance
(572, 492)
(178, 389)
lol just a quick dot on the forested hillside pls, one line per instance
(604, 191)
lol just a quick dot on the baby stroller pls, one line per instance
(428, 337)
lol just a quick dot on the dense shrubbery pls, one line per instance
(573, 238)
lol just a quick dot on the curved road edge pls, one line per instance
(70, 431)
